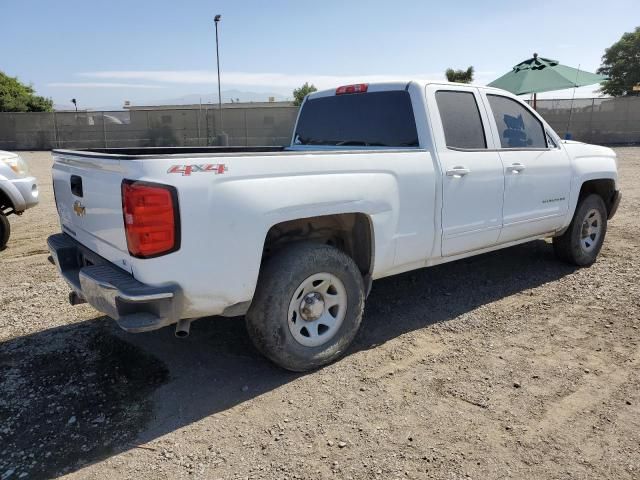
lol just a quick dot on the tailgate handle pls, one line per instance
(76, 185)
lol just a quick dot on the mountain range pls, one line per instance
(227, 97)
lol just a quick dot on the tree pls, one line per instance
(460, 76)
(18, 97)
(303, 91)
(621, 63)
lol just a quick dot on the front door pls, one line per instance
(537, 171)
(472, 172)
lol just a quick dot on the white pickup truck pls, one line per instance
(379, 179)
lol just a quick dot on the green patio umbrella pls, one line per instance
(544, 75)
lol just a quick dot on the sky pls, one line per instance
(105, 52)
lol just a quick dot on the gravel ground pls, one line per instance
(506, 365)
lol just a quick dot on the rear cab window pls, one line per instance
(370, 119)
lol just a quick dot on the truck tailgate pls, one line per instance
(89, 202)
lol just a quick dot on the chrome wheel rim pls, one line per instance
(317, 309)
(591, 230)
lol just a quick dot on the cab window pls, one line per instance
(461, 119)
(376, 119)
(517, 126)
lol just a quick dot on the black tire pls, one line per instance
(569, 246)
(280, 278)
(5, 230)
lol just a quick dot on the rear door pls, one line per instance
(472, 172)
(537, 171)
(88, 198)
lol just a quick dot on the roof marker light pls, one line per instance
(355, 88)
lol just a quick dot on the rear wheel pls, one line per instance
(5, 230)
(582, 241)
(307, 307)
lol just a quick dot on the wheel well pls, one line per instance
(604, 187)
(6, 205)
(350, 232)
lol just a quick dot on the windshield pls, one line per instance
(380, 119)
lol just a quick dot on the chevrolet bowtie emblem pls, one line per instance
(79, 208)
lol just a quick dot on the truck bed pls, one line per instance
(133, 153)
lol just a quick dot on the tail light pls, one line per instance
(355, 88)
(151, 218)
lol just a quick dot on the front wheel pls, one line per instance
(5, 230)
(582, 241)
(307, 307)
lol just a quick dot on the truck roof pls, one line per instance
(401, 85)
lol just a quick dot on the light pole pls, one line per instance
(216, 19)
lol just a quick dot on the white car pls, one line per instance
(18, 191)
(379, 179)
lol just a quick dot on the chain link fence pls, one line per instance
(254, 126)
(592, 120)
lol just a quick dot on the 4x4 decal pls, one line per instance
(186, 170)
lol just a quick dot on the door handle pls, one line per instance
(457, 172)
(516, 168)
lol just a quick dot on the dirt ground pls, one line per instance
(506, 365)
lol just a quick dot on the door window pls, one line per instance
(461, 119)
(517, 126)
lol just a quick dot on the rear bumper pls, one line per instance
(615, 201)
(136, 307)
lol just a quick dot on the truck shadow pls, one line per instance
(78, 394)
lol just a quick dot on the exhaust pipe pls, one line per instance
(75, 299)
(182, 328)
